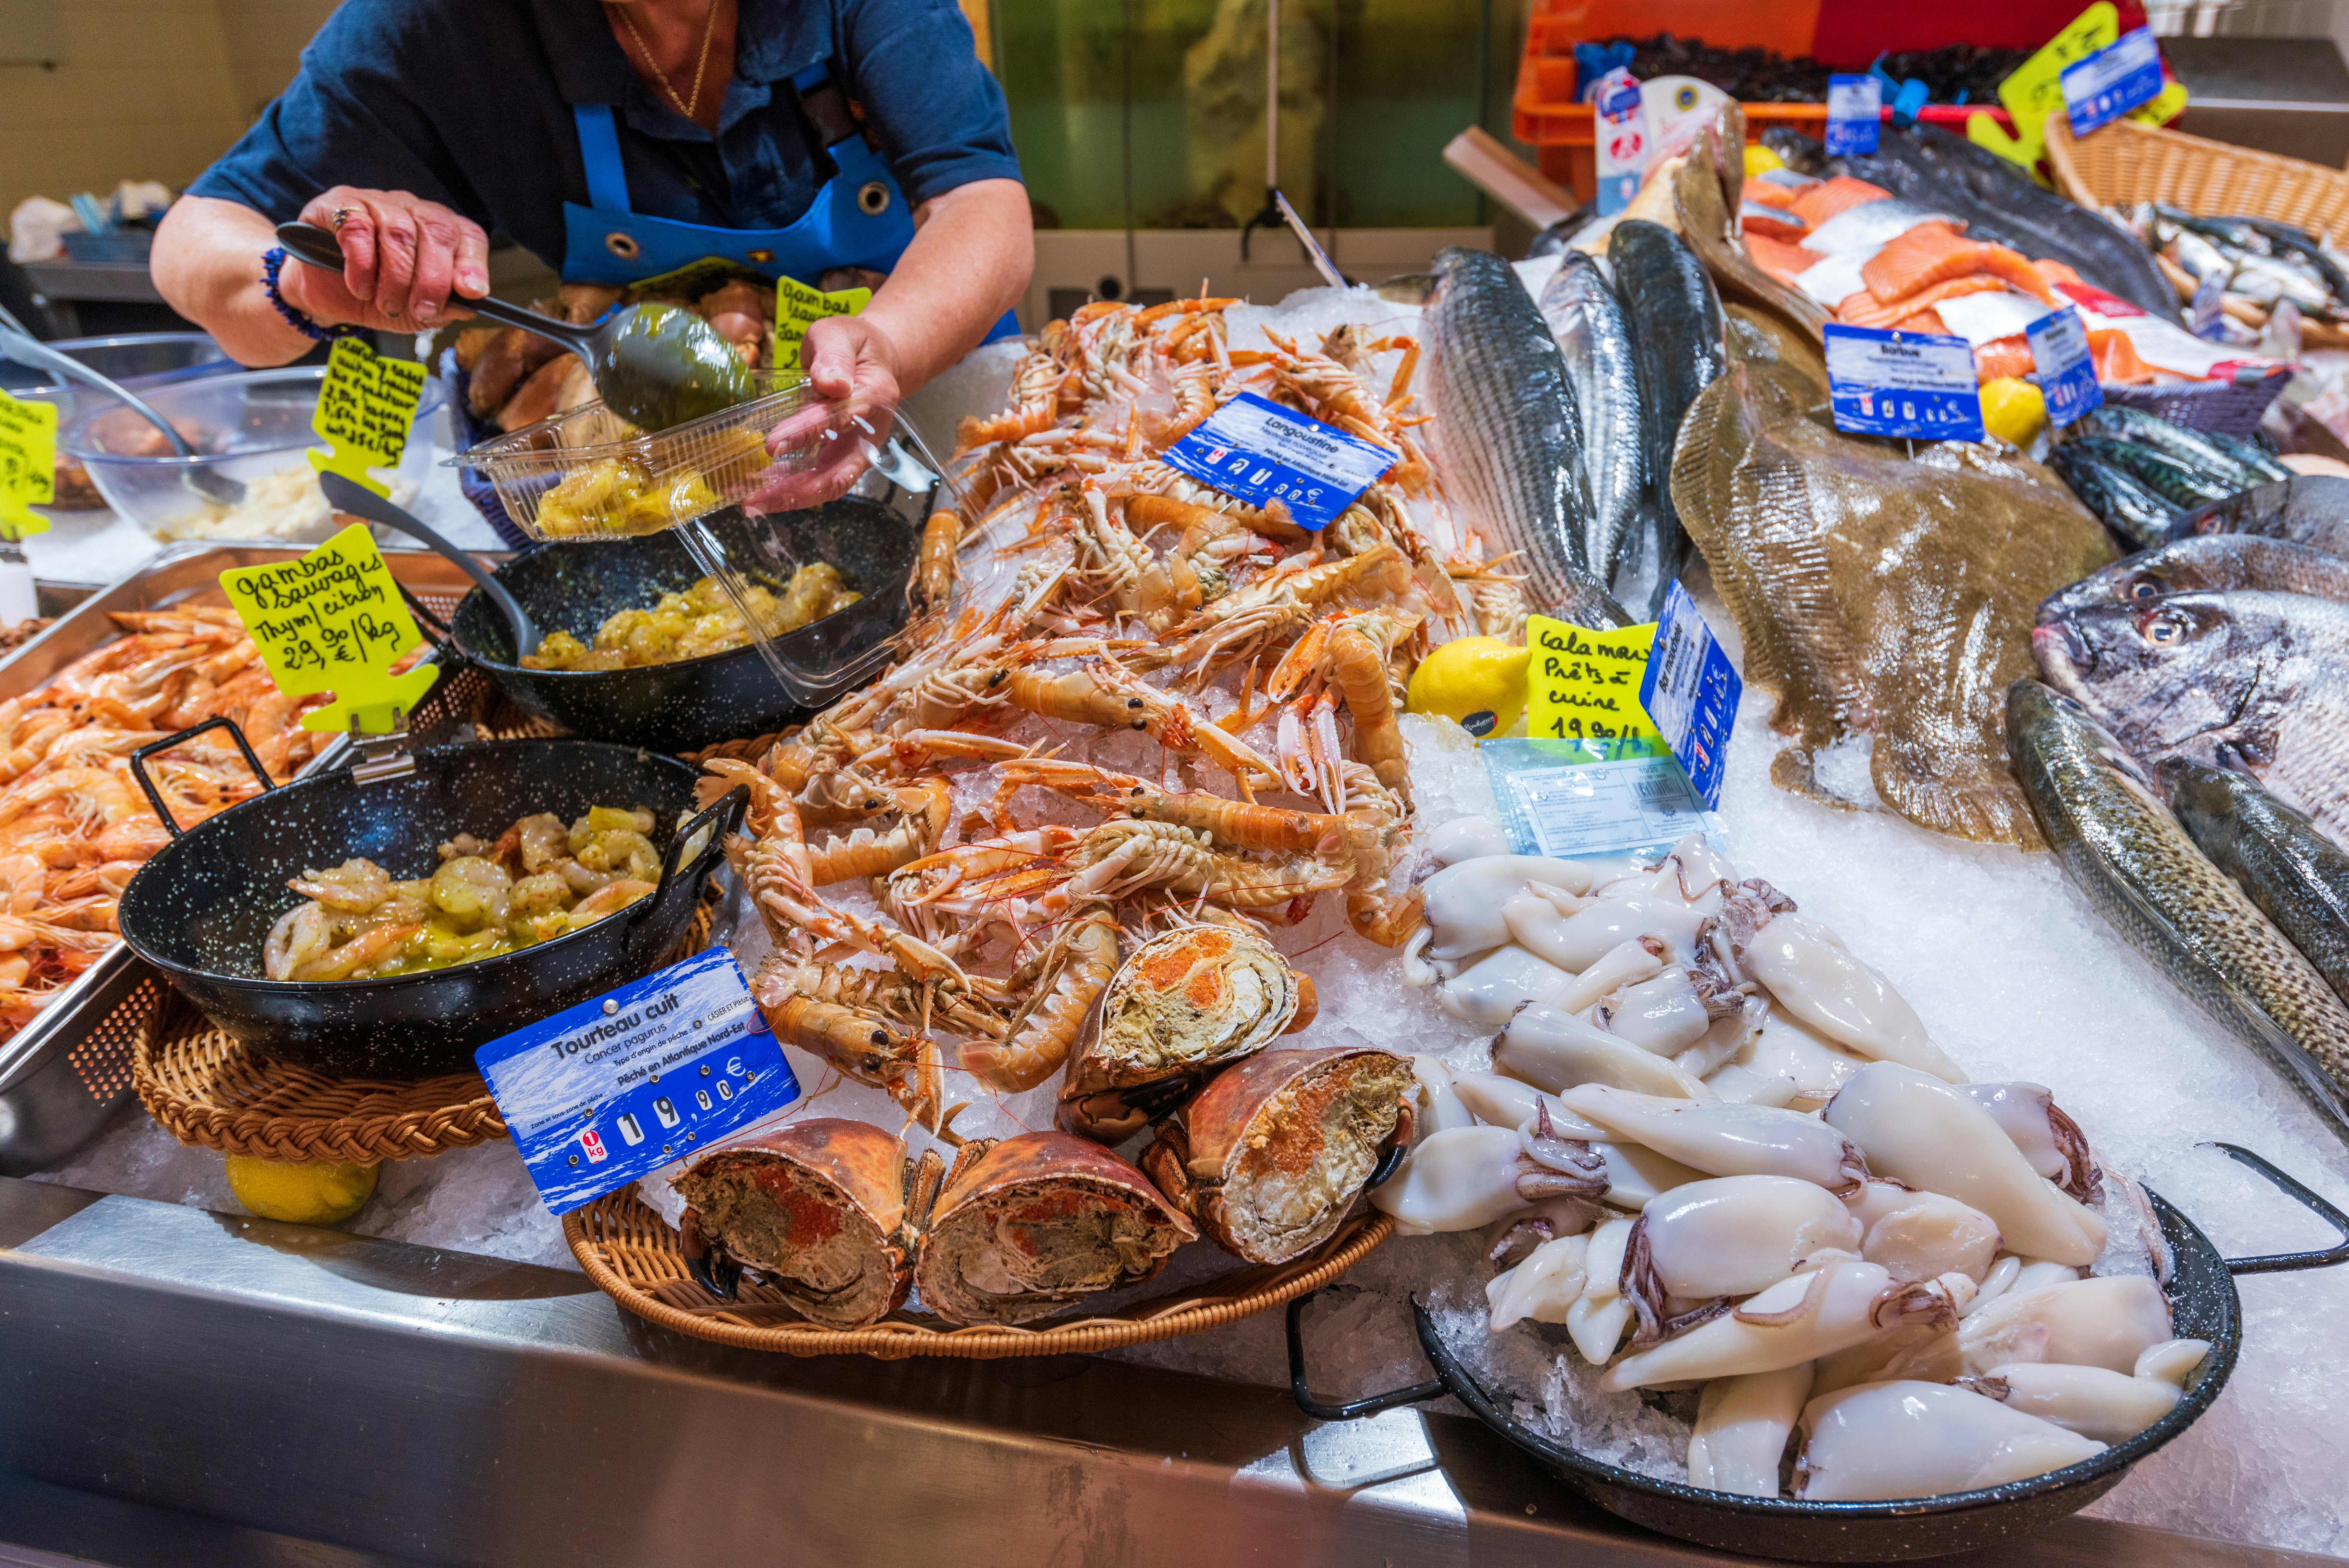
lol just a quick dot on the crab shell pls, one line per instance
(818, 1207)
(1077, 1219)
(1271, 1155)
(1182, 1005)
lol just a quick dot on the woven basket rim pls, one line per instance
(2225, 159)
(901, 1335)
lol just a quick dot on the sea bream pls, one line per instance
(2210, 563)
(2251, 680)
(2312, 510)
(1586, 320)
(1508, 435)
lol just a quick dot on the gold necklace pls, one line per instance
(708, 30)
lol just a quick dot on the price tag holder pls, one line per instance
(614, 1089)
(29, 465)
(2114, 80)
(1620, 121)
(1258, 452)
(334, 621)
(1855, 113)
(2035, 88)
(1584, 685)
(365, 409)
(2067, 373)
(1915, 384)
(799, 307)
(1691, 694)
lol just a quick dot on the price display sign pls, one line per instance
(2067, 374)
(29, 465)
(2114, 80)
(1584, 685)
(1255, 450)
(798, 308)
(1915, 384)
(365, 408)
(333, 620)
(1855, 114)
(1691, 694)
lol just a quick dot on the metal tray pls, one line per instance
(62, 1074)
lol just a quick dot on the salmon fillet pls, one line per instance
(1828, 197)
(1864, 309)
(1933, 252)
(1776, 222)
(1770, 195)
(2056, 271)
(1780, 259)
(2005, 357)
(1926, 320)
(2116, 358)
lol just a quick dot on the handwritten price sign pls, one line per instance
(364, 411)
(798, 308)
(1585, 684)
(28, 459)
(334, 621)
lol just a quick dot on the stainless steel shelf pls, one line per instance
(184, 1388)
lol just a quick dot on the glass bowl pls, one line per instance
(252, 426)
(137, 359)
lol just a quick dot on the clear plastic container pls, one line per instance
(252, 426)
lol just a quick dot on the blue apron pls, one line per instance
(859, 217)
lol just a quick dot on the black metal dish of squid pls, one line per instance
(690, 703)
(2203, 1306)
(201, 907)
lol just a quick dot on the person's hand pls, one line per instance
(852, 369)
(408, 265)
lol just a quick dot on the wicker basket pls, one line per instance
(2126, 161)
(633, 1256)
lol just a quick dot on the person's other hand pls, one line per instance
(852, 369)
(849, 360)
(408, 265)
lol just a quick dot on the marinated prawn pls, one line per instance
(540, 880)
(703, 619)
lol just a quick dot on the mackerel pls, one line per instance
(1586, 320)
(2291, 871)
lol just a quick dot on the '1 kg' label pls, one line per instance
(1257, 450)
(604, 1091)
(1920, 385)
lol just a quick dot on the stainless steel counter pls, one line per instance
(184, 1388)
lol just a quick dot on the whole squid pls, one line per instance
(1462, 1177)
(1742, 1427)
(1813, 976)
(1907, 1438)
(1842, 1303)
(1725, 1138)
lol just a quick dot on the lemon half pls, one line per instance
(300, 1194)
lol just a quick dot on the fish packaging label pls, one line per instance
(602, 1092)
(2067, 374)
(1619, 118)
(1555, 806)
(1255, 450)
(2112, 81)
(1920, 385)
(1691, 694)
(1855, 113)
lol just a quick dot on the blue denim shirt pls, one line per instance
(468, 103)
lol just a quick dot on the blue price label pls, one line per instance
(2114, 80)
(1915, 384)
(2067, 375)
(1691, 694)
(1855, 113)
(1619, 125)
(602, 1092)
(1259, 453)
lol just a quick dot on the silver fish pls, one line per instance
(1509, 438)
(1586, 320)
(2249, 679)
(2208, 563)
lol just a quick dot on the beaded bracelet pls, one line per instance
(272, 260)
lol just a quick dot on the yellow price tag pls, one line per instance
(798, 308)
(334, 621)
(1585, 684)
(29, 465)
(2036, 91)
(363, 410)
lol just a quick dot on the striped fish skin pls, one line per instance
(1509, 437)
(1679, 350)
(2297, 876)
(1586, 320)
(2130, 858)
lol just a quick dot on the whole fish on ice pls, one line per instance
(2293, 872)
(1586, 318)
(2210, 562)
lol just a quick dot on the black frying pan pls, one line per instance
(2202, 1304)
(695, 703)
(201, 907)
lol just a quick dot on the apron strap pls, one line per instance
(599, 147)
(824, 104)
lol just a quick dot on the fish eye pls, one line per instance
(2144, 588)
(2163, 631)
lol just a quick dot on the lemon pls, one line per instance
(1760, 159)
(2013, 409)
(1478, 682)
(300, 1194)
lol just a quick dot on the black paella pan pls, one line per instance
(695, 703)
(2202, 1304)
(201, 907)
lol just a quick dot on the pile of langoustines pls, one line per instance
(1754, 1172)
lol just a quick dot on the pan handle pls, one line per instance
(2289, 1263)
(721, 819)
(155, 797)
(1301, 1390)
